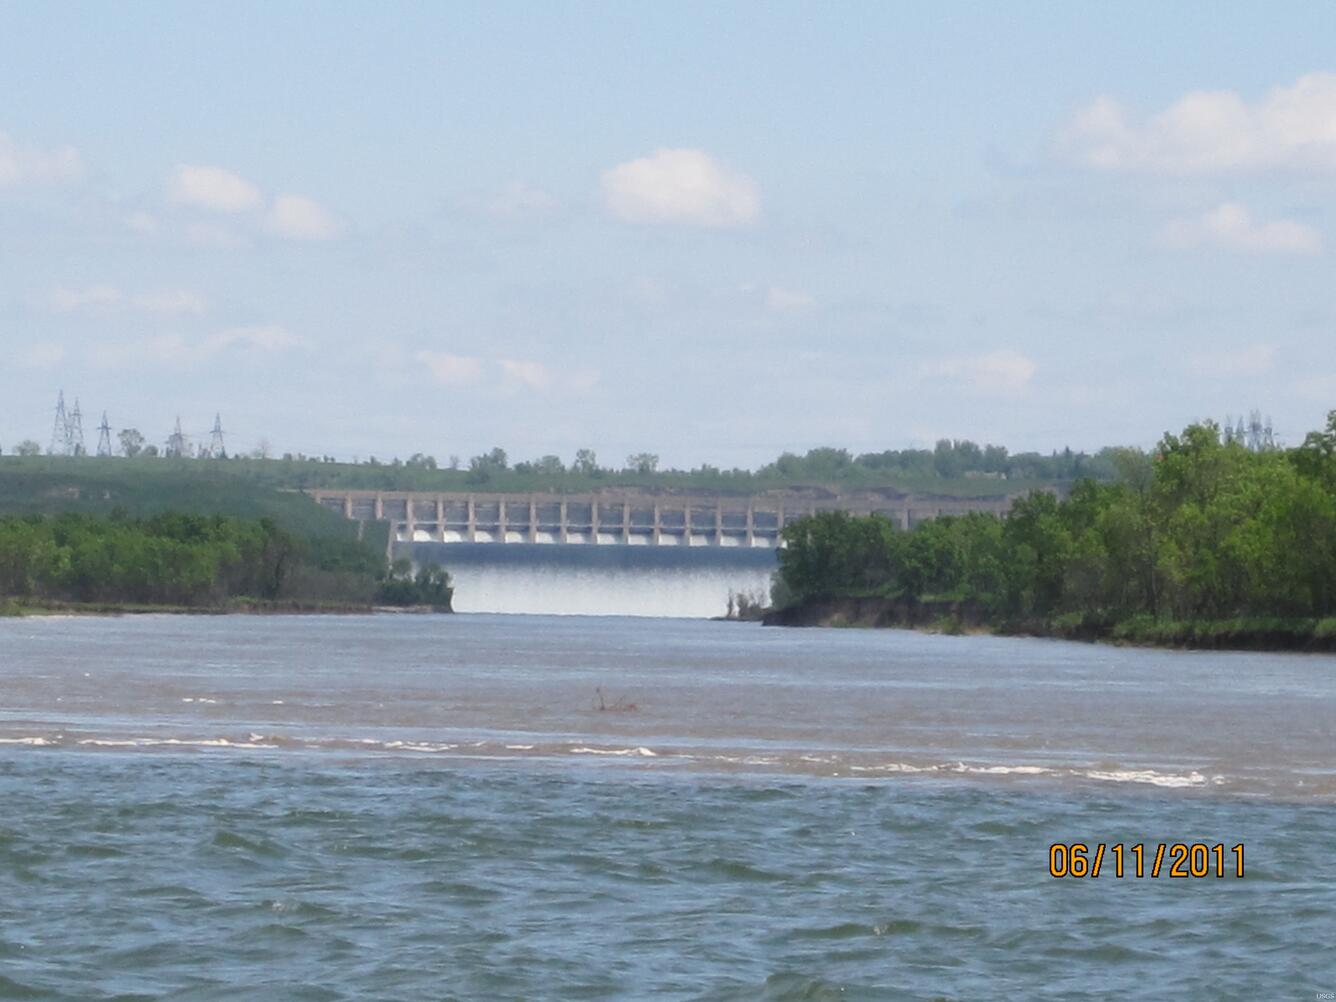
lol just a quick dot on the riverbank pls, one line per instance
(1252, 634)
(248, 607)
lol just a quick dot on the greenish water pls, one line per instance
(434, 808)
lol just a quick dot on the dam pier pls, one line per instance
(627, 517)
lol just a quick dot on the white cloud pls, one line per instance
(681, 186)
(265, 337)
(534, 375)
(293, 217)
(451, 370)
(1001, 371)
(34, 165)
(299, 218)
(1227, 362)
(526, 374)
(1208, 131)
(519, 200)
(178, 351)
(787, 300)
(169, 302)
(506, 375)
(94, 297)
(103, 297)
(211, 188)
(1231, 226)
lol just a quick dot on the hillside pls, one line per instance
(157, 484)
(140, 488)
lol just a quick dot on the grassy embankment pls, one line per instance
(77, 528)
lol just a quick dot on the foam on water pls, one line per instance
(600, 580)
(699, 758)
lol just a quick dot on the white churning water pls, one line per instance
(574, 580)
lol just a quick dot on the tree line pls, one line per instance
(1202, 529)
(949, 459)
(198, 561)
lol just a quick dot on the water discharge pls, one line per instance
(598, 580)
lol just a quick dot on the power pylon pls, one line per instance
(176, 444)
(59, 430)
(216, 448)
(104, 437)
(74, 440)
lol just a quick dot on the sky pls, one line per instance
(714, 232)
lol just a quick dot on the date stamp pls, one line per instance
(1140, 859)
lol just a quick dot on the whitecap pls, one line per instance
(1147, 776)
(642, 751)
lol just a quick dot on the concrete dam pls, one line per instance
(615, 552)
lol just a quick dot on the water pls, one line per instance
(405, 807)
(581, 579)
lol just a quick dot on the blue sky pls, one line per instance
(714, 233)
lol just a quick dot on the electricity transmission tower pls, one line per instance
(1260, 436)
(176, 444)
(104, 437)
(74, 440)
(59, 430)
(216, 448)
(1255, 435)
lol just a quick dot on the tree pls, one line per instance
(132, 442)
(1039, 545)
(430, 586)
(27, 448)
(642, 462)
(549, 465)
(480, 471)
(586, 463)
(945, 460)
(483, 468)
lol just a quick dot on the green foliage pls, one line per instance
(833, 553)
(953, 469)
(165, 559)
(429, 587)
(1203, 542)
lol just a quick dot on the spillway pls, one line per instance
(681, 582)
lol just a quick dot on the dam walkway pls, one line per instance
(628, 517)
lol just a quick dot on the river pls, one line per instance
(532, 807)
